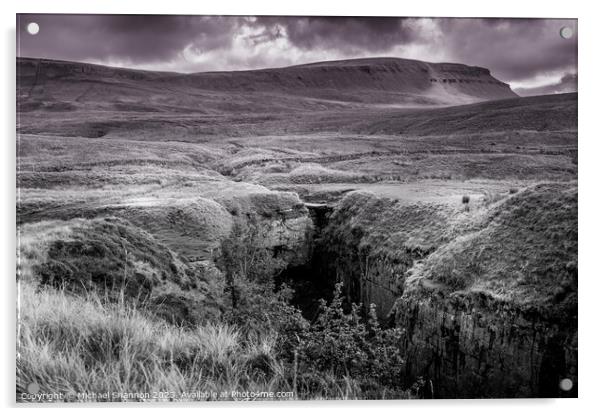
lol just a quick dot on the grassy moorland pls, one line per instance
(163, 227)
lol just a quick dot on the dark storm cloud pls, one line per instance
(344, 33)
(522, 51)
(514, 49)
(133, 38)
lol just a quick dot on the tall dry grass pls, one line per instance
(74, 345)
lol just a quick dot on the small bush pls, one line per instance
(513, 190)
(255, 304)
(346, 345)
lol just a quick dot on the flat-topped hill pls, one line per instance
(65, 85)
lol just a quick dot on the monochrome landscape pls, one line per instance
(361, 227)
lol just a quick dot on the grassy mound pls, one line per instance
(192, 228)
(524, 251)
(387, 227)
(119, 262)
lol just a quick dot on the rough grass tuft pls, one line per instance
(72, 345)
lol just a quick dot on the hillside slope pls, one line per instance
(62, 86)
(539, 113)
(408, 80)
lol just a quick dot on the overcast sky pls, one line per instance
(527, 53)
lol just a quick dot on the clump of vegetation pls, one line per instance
(249, 267)
(465, 202)
(513, 191)
(346, 345)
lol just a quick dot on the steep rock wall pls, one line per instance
(465, 349)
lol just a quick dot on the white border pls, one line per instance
(589, 200)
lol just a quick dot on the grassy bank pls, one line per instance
(73, 345)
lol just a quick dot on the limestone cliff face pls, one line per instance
(466, 351)
(487, 300)
(284, 221)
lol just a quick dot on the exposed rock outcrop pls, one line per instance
(468, 347)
